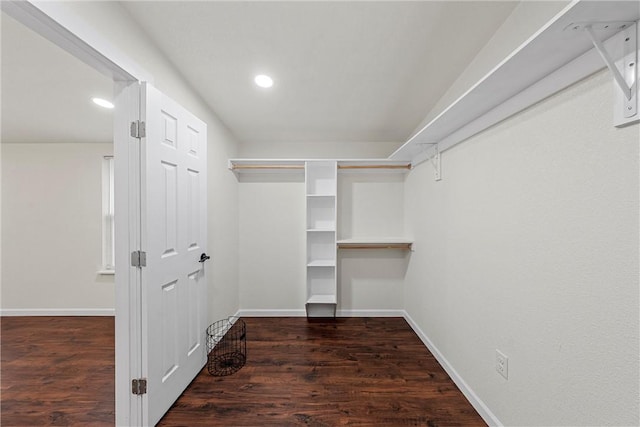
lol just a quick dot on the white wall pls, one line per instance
(317, 150)
(112, 23)
(271, 261)
(52, 227)
(371, 205)
(272, 243)
(529, 245)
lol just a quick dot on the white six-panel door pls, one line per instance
(173, 235)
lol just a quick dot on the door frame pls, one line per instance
(60, 26)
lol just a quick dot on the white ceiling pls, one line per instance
(46, 92)
(344, 71)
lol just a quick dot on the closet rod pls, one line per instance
(268, 167)
(407, 166)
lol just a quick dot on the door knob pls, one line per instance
(204, 257)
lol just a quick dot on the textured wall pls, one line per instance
(317, 150)
(529, 245)
(371, 205)
(271, 260)
(52, 227)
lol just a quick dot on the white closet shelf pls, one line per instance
(375, 243)
(555, 57)
(373, 166)
(296, 166)
(322, 263)
(322, 299)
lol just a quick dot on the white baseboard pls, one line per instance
(57, 312)
(270, 313)
(370, 313)
(303, 313)
(484, 411)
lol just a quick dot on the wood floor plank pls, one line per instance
(347, 371)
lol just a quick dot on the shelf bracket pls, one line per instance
(630, 43)
(434, 158)
(623, 63)
(435, 162)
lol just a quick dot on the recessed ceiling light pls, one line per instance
(102, 102)
(263, 80)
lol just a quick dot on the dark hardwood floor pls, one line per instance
(57, 371)
(348, 371)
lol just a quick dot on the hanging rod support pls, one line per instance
(617, 75)
(435, 162)
(617, 44)
(433, 159)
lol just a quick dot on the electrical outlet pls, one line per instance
(502, 364)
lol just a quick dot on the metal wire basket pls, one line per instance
(226, 346)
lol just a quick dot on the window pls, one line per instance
(108, 225)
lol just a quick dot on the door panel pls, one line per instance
(193, 215)
(194, 328)
(173, 236)
(168, 189)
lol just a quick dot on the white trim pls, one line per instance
(270, 313)
(127, 239)
(477, 403)
(58, 24)
(10, 312)
(369, 313)
(107, 219)
(106, 272)
(302, 313)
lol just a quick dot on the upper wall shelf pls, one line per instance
(240, 166)
(376, 243)
(552, 59)
(375, 166)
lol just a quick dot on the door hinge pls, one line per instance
(138, 259)
(138, 129)
(139, 386)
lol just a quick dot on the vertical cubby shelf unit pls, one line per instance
(321, 178)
